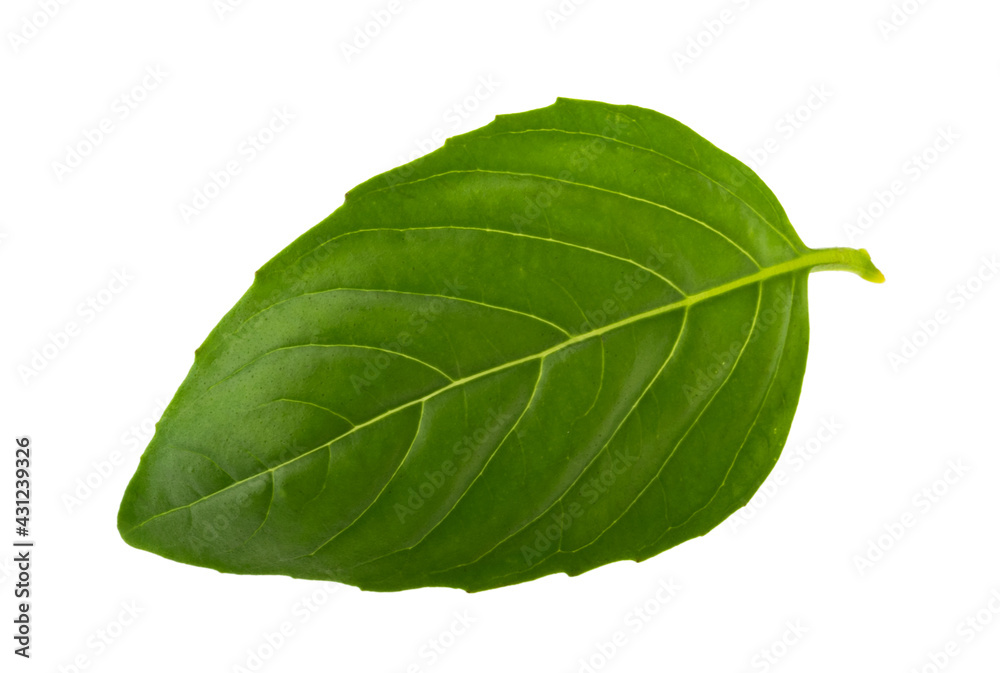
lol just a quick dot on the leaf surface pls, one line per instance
(574, 336)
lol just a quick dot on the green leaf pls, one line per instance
(574, 336)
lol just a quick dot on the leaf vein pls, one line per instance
(416, 433)
(311, 404)
(583, 185)
(656, 477)
(753, 425)
(665, 156)
(482, 470)
(806, 261)
(597, 454)
(401, 292)
(294, 346)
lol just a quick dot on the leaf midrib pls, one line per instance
(814, 258)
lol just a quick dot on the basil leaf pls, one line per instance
(574, 336)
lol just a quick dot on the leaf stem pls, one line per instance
(847, 259)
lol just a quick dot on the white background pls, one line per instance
(793, 558)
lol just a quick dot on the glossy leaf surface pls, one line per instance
(574, 336)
